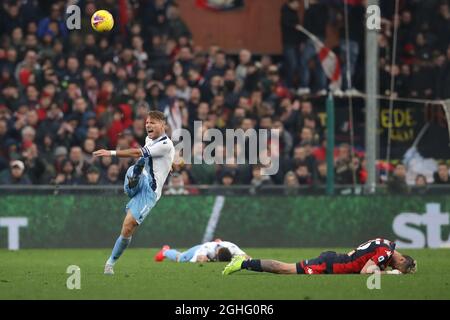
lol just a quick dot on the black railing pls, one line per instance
(235, 190)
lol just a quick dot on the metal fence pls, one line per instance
(235, 190)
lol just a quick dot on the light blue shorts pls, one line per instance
(187, 255)
(143, 198)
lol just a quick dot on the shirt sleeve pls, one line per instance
(236, 251)
(159, 149)
(202, 251)
(382, 257)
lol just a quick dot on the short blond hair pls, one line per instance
(158, 115)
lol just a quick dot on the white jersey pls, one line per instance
(159, 154)
(209, 249)
(234, 249)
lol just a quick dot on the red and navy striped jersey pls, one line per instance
(378, 250)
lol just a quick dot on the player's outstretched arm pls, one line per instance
(202, 258)
(370, 267)
(128, 153)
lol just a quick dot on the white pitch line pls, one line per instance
(214, 219)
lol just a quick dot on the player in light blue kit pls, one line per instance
(216, 250)
(143, 181)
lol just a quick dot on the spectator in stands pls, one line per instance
(66, 175)
(177, 27)
(307, 135)
(227, 178)
(273, 85)
(259, 180)
(316, 18)
(11, 18)
(59, 155)
(77, 159)
(356, 19)
(245, 58)
(92, 176)
(321, 178)
(301, 155)
(88, 148)
(36, 167)
(286, 140)
(397, 181)
(16, 174)
(291, 184)
(421, 185)
(343, 165)
(308, 118)
(219, 67)
(113, 175)
(53, 25)
(442, 176)
(66, 132)
(291, 38)
(303, 175)
(3, 148)
(442, 73)
(176, 185)
(26, 68)
(105, 162)
(187, 181)
(441, 25)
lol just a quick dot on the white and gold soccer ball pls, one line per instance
(102, 21)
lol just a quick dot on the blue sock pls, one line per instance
(120, 246)
(171, 254)
(253, 265)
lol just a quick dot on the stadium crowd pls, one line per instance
(64, 94)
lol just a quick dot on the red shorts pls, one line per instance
(323, 264)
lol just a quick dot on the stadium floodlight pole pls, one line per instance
(330, 144)
(371, 103)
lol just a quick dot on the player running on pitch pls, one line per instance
(374, 256)
(143, 181)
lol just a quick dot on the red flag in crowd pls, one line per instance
(330, 62)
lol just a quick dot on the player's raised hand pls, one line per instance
(101, 153)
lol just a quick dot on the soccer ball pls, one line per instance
(102, 21)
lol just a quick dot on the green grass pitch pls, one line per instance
(41, 274)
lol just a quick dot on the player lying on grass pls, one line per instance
(217, 250)
(143, 181)
(373, 256)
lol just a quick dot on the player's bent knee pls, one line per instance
(129, 226)
(127, 232)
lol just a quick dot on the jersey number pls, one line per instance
(368, 243)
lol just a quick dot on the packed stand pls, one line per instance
(66, 93)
